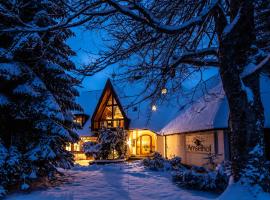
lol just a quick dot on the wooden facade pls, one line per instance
(109, 112)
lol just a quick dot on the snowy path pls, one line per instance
(120, 182)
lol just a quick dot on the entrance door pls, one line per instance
(144, 145)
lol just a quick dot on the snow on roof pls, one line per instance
(140, 114)
(209, 111)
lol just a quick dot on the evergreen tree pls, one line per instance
(37, 93)
(262, 26)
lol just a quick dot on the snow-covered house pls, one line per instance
(202, 127)
(110, 109)
(193, 132)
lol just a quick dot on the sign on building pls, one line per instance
(200, 143)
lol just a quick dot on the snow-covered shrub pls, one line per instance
(111, 144)
(202, 179)
(175, 163)
(157, 162)
(91, 149)
(257, 170)
(266, 181)
(211, 161)
(10, 165)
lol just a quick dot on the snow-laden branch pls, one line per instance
(67, 23)
(252, 68)
(148, 18)
(227, 30)
(192, 58)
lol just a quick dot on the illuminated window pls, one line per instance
(77, 147)
(80, 119)
(164, 91)
(68, 147)
(112, 116)
(154, 108)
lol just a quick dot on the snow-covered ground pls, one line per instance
(114, 181)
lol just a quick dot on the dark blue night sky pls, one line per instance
(87, 44)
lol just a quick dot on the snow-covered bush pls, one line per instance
(111, 144)
(257, 169)
(202, 179)
(211, 161)
(91, 149)
(266, 181)
(157, 162)
(10, 165)
(175, 163)
(195, 177)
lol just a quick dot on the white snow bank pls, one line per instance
(242, 192)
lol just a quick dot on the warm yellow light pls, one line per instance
(134, 135)
(154, 108)
(129, 142)
(164, 91)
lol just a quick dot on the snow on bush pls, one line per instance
(25, 186)
(176, 164)
(257, 170)
(157, 162)
(91, 149)
(200, 178)
(111, 144)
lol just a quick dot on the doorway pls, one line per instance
(144, 145)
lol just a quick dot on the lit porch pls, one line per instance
(141, 142)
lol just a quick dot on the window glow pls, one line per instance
(68, 147)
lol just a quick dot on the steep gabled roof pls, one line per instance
(109, 90)
(209, 110)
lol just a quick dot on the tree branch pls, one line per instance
(153, 22)
(193, 58)
(66, 24)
